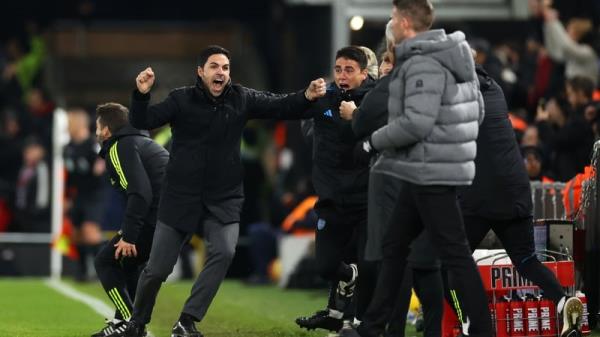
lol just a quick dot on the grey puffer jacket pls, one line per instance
(435, 108)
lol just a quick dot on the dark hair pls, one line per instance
(353, 53)
(212, 50)
(419, 11)
(112, 115)
(32, 141)
(536, 151)
(582, 84)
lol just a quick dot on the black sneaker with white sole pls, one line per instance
(320, 320)
(130, 329)
(572, 313)
(111, 325)
(119, 330)
(182, 329)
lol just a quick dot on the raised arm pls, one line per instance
(558, 40)
(145, 116)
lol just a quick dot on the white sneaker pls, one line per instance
(571, 317)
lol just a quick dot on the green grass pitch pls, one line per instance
(29, 308)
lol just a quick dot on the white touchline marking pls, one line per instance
(99, 306)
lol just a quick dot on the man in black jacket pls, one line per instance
(340, 180)
(203, 184)
(136, 167)
(500, 199)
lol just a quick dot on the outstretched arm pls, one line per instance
(292, 106)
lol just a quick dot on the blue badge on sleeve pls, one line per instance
(321, 224)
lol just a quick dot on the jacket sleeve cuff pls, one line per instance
(138, 96)
(376, 141)
(130, 234)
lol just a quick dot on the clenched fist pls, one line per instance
(315, 89)
(145, 80)
(347, 109)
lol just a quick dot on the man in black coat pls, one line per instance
(340, 180)
(203, 184)
(136, 167)
(500, 200)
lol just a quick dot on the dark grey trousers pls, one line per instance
(220, 242)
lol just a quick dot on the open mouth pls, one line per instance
(218, 83)
(344, 86)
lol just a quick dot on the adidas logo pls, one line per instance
(328, 113)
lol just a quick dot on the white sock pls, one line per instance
(335, 314)
(561, 304)
(356, 322)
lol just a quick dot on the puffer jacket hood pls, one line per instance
(448, 49)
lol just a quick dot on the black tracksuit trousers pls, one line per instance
(340, 239)
(436, 209)
(119, 278)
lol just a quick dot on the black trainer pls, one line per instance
(184, 329)
(131, 329)
(111, 326)
(320, 320)
(571, 317)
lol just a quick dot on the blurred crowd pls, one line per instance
(26, 126)
(550, 81)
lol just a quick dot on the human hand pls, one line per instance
(347, 109)
(124, 248)
(145, 80)
(316, 89)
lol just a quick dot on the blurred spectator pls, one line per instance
(11, 152)
(569, 137)
(579, 92)
(490, 62)
(570, 46)
(25, 60)
(532, 156)
(32, 195)
(508, 55)
(40, 108)
(84, 188)
(531, 137)
(526, 73)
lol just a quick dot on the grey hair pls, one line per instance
(389, 35)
